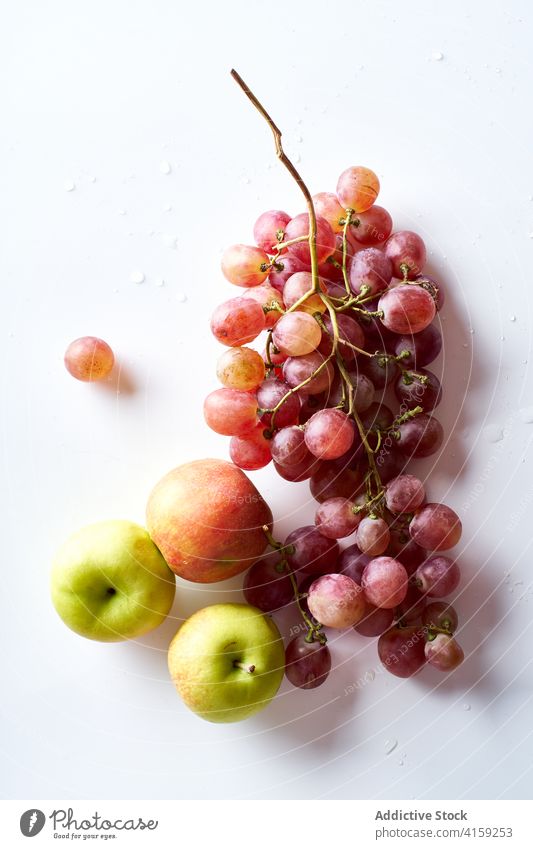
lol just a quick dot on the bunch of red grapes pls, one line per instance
(341, 396)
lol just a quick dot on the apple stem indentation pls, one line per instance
(244, 666)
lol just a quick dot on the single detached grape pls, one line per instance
(237, 321)
(231, 412)
(401, 650)
(335, 518)
(269, 394)
(436, 527)
(370, 268)
(332, 480)
(297, 286)
(325, 238)
(89, 359)
(376, 621)
(313, 553)
(372, 227)
(313, 368)
(329, 434)
(421, 349)
(307, 665)
(296, 333)
(270, 301)
(384, 582)
(404, 494)
(269, 229)
(252, 451)
(439, 614)
(438, 576)
(407, 252)
(444, 653)
(407, 308)
(241, 368)
(245, 265)
(357, 188)
(412, 392)
(267, 584)
(373, 536)
(421, 436)
(336, 601)
(288, 446)
(328, 207)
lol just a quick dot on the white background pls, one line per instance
(110, 90)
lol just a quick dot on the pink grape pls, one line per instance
(245, 265)
(267, 584)
(269, 229)
(439, 614)
(438, 576)
(335, 518)
(330, 481)
(357, 188)
(269, 394)
(406, 249)
(390, 462)
(371, 268)
(266, 296)
(89, 359)
(381, 369)
(363, 391)
(252, 451)
(297, 286)
(336, 601)
(353, 562)
(404, 494)
(402, 548)
(241, 368)
(296, 334)
(372, 227)
(237, 321)
(325, 238)
(410, 610)
(421, 436)
(288, 446)
(444, 653)
(375, 622)
(310, 403)
(331, 269)
(384, 582)
(407, 308)
(328, 207)
(411, 392)
(231, 412)
(401, 650)
(299, 471)
(298, 369)
(373, 536)
(284, 267)
(436, 527)
(349, 330)
(329, 434)
(307, 665)
(313, 553)
(423, 347)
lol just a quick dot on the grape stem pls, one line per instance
(314, 629)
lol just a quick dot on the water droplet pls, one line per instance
(466, 706)
(472, 331)
(518, 583)
(370, 675)
(122, 211)
(151, 232)
(169, 241)
(511, 317)
(498, 70)
(167, 208)
(69, 186)
(137, 277)
(437, 56)
(530, 235)
(91, 178)
(115, 291)
(246, 181)
(181, 297)
(159, 281)
(165, 167)
(297, 158)
(493, 433)
(299, 139)
(465, 344)
(400, 762)
(390, 745)
(502, 338)
(526, 414)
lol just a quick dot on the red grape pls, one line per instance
(435, 289)
(328, 207)
(245, 265)
(357, 188)
(297, 286)
(444, 653)
(404, 494)
(372, 227)
(384, 582)
(313, 553)
(336, 519)
(332, 480)
(266, 296)
(352, 562)
(325, 238)
(307, 665)
(412, 392)
(401, 650)
(329, 434)
(376, 621)
(299, 471)
(284, 267)
(371, 268)
(373, 536)
(436, 527)
(407, 308)
(267, 584)
(381, 369)
(269, 229)
(296, 370)
(410, 610)
(421, 436)
(438, 576)
(296, 333)
(349, 330)
(252, 451)
(423, 347)
(336, 601)
(237, 321)
(241, 368)
(89, 359)
(288, 446)
(439, 614)
(231, 412)
(269, 394)
(407, 252)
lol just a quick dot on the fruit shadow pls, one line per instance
(120, 382)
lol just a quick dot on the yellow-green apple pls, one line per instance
(206, 518)
(227, 662)
(109, 582)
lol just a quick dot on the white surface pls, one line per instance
(112, 91)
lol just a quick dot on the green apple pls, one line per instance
(110, 582)
(227, 662)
